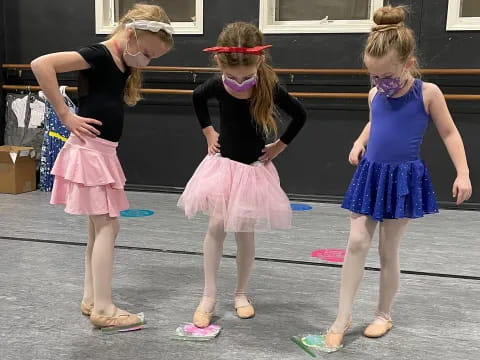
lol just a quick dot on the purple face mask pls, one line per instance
(237, 87)
(388, 86)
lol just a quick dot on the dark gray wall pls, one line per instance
(162, 143)
(68, 24)
(2, 59)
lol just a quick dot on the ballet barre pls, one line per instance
(189, 69)
(307, 95)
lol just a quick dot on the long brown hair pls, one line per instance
(390, 32)
(141, 12)
(242, 34)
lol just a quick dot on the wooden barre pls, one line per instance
(310, 95)
(74, 88)
(278, 71)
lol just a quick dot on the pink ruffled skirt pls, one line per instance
(89, 179)
(246, 197)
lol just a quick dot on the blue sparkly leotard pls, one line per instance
(391, 181)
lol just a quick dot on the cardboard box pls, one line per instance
(17, 169)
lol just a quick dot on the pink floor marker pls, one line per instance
(331, 255)
(190, 332)
(192, 329)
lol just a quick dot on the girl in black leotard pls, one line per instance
(237, 185)
(88, 177)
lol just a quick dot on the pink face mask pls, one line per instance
(239, 87)
(135, 60)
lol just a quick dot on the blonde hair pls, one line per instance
(242, 34)
(390, 32)
(141, 12)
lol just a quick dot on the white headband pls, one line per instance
(153, 26)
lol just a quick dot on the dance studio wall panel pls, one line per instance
(162, 142)
(2, 58)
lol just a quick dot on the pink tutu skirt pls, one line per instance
(89, 179)
(246, 197)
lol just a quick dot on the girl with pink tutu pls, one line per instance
(237, 185)
(88, 176)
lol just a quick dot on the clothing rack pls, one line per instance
(291, 72)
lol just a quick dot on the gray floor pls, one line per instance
(159, 271)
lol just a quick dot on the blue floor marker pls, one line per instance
(300, 207)
(136, 213)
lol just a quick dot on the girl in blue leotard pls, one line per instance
(391, 184)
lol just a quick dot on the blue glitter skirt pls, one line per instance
(391, 190)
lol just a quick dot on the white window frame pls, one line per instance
(268, 24)
(455, 22)
(194, 27)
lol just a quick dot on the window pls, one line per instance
(463, 15)
(317, 16)
(186, 15)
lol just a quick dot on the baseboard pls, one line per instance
(154, 188)
(330, 199)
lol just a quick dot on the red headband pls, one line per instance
(257, 50)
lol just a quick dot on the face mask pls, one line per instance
(135, 60)
(239, 87)
(388, 86)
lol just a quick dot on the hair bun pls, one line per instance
(389, 15)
